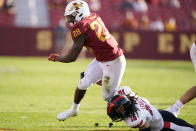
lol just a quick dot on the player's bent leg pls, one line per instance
(68, 113)
(173, 123)
(73, 111)
(175, 108)
(78, 96)
(92, 74)
(112, 74)
(186, 97)
(87, 78)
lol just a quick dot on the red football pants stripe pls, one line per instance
(167, 124)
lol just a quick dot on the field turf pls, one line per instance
(33, 91)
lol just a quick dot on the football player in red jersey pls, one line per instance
(109, 64)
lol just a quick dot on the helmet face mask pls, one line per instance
(70, 19)
(118, 108)
(119, 114)
(78, 9)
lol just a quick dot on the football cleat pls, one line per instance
(66, 114)
(173, 110)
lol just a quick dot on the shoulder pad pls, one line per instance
(124, 90)
(80, 28)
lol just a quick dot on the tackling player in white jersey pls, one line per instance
(137, 112)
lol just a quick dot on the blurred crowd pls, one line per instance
(159, 15)
(7, 12)
(156, 15)
(7, 6)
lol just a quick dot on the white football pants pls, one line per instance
(193, 55)
(109, 72)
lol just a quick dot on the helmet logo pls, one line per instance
(121, 109)
(76, 6)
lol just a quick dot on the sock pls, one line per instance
(75, 106)
(178, 104)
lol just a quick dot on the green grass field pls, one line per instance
(33, 91)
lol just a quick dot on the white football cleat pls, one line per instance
(66, 114)
(173, 110)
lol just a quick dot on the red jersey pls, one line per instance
(99, 41)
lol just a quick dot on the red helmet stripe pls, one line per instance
(118, 98)
(114, 101)
(110, 107)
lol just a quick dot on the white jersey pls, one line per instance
(145, 112)
(124, 90)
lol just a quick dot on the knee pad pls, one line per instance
(84, 84)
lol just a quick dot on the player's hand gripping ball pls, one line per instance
(53, 57)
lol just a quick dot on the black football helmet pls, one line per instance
(119, 107)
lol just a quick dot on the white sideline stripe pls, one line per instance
(180, 128)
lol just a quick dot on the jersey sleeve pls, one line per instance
(79, 28)
(124, 90)
(136, 121)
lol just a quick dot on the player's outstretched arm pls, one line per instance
(73, 53)
(145, 127)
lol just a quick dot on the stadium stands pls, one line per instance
(6, 13)
(183, 12)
